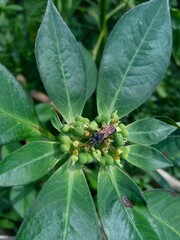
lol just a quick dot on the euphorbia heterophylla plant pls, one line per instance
(134, 61)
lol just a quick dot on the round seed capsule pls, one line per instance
(79, 124)
(122, 126)
(98, 120)
(109, 160)
(64, 148)
(65, 139)
(83, 158)
(124, 155)
(125, 133)
(105, 118)
(114, 117)
(118, 141)
(74, 158)
(79, 131)
(89, 158)
(103, 160)
(65, 128)
(93, 126)
(126, 149)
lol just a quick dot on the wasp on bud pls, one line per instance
(99, 137)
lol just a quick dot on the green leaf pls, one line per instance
(56, 122)
(18, 119)
(122, 208)
(169, 121)
(14, 7)
(43, 111)
(63, 210)
(7, 224)
(147, 158)
(164, 206)
(22, 198)
(170, 147)
(135, 58)
(91, 70)
(149, 131)
(158, 179)
(29, 163)
(61, 64)
(9, 148)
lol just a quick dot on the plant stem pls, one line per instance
(98, 44)
(103, 30)
(115, 10)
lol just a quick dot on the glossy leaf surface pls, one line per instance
(170, 147)
(148, 131)
(164, 207)
(55, 120)
(122, 208)
(135, 58)
(63, 210)
(18, 119)
(91, 71)
(147, 158)
(29, 163)
(22, 198)
(61, 64)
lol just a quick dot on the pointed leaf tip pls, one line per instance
(61, 64)
(135, 58)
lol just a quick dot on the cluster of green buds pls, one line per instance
(103, 140)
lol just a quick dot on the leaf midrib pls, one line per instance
(131, 62)
(25, 122)
(165, 223)
(31, 162)
(69, 199)
(119, 195)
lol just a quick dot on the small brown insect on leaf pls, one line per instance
(127, 202)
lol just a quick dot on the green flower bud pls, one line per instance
(89, 158)
(125, 133)
(106, 160)
(109, 160)
(65, 139)
(98, 120)
(86, 120)
(94, 154)
(103, 160)
(105, 118)
(98, 153)
(122, 126)
(65, 128)
(79, 124)
(83, 120)
(74, 158)
(124, 155)
(80, 118)
(64, 148)
(93, 126)
(118, 140)
(126, 149)
(83, 158)
(114, 117)
(79, 131)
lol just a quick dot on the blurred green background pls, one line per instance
(90, 21)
